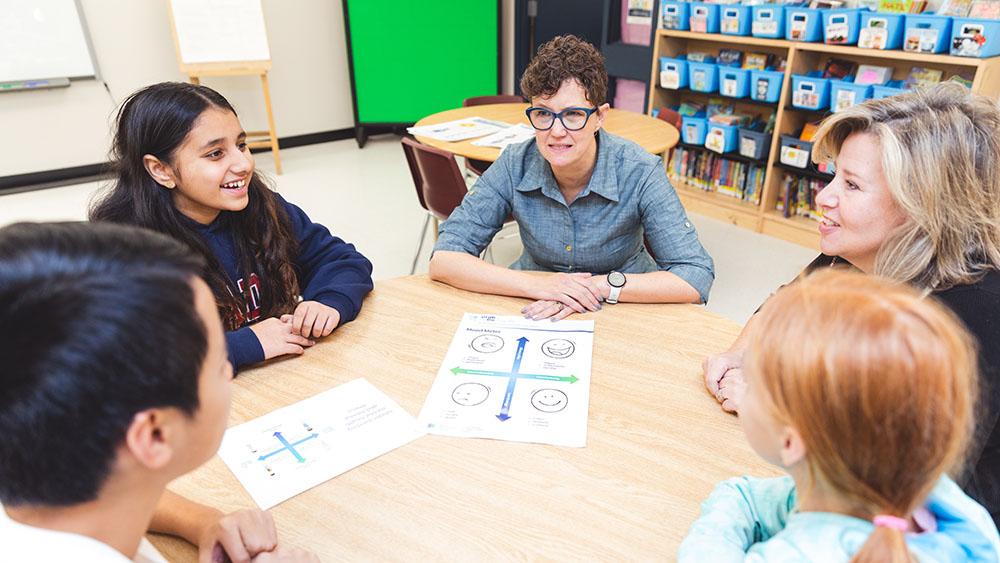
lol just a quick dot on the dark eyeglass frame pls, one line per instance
(559, 116)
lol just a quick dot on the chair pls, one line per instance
(439, 183)
(670, 116)
(477, 167)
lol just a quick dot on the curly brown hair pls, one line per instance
(566, 57)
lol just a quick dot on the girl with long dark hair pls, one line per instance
(183, 168)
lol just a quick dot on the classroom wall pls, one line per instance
(61, 128)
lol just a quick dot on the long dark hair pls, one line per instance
(155, 120)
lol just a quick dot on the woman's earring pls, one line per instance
(169, 185)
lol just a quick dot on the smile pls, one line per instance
(234, 185)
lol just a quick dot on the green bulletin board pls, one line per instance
(412, 58)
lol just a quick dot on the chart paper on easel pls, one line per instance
(510, 378)
(214, 31)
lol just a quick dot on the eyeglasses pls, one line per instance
(572, 119)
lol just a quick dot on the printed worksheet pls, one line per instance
(460, 129)
(506, 137)
(295, 448)
(510, 378)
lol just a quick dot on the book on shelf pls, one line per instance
(757, 61)
(873, 74)
(985, 9)
(838, 68)
(711, 172)
(955, 8)
(730, 57)
(809, 131)
(902, 6)
(797, 196)
(920, 77)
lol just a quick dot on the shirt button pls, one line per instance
(569, 248)
(687, 224)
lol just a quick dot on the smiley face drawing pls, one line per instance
(549, 400)
(558, 348)
(487, 343)
(470, 394)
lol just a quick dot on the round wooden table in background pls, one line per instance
(652, 134)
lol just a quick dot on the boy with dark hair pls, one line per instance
(115, 382)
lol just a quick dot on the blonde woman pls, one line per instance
(859, 475)
(916, 198)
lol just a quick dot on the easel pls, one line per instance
(195, 71)
(255, 139)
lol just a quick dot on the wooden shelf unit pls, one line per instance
(800, 58)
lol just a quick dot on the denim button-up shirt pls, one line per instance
(601, 230)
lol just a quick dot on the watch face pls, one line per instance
(616, 279)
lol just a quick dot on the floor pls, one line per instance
(366, 197)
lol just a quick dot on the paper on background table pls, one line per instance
(295, 448)
(507, 136)
(459, 130)
(510, 378)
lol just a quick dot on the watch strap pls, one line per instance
(613, 296)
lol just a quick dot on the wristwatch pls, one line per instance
(617, 281)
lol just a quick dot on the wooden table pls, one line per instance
(657, 443)
(654, 135)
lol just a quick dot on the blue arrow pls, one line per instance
(520, 354)
(506, 399)
(289, 447)
(505, 409)
(285, 443)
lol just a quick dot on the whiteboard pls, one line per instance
(214, 31)
(42, 39)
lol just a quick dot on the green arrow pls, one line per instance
(570, 378)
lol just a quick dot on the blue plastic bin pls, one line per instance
(674, 72)
(703, 77)
(693, 130)
(735, 19)
(754, 144)
(674, 15)
(891, 88)
(734, 82)
(768, 21)
(972, 37)
(704, 17)
(795, 152)
(840, 26)
(722, 138)
(803, 24)
(845, 93)
(880, 30)
(810, 91)
(765, 85)
(927, 33)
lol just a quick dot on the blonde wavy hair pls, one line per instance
(941, 158)
(884, 408)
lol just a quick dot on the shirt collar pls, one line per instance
(603, 181)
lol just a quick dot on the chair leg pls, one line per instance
(423, 233)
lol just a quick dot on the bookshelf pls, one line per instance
(800, 58)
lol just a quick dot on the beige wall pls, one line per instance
(310, 84)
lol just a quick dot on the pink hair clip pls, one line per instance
(894, 522)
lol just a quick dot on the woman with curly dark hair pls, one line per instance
(583, 199)
(183, 168)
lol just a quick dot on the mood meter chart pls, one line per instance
(295, 448)
(509, 378)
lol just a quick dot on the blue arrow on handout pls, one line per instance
(505, 408)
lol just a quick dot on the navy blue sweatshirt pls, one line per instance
(330, 271)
